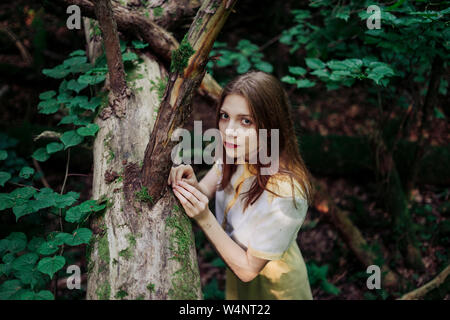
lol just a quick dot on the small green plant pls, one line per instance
(142, 195)
(318, 277)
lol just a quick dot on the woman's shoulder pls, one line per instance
(284, 186)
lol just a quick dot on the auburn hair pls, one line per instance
(270, 109)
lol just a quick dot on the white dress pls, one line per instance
(267, 229)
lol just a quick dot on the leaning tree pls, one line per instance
(143, 243)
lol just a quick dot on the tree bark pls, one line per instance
(143, 245)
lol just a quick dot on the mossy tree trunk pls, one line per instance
(143, 245)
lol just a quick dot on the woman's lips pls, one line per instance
(230, 145)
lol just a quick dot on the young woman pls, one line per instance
(258, 216)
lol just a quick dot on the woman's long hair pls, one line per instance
(270, 108)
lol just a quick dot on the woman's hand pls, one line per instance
(183, 172)
(193, 201)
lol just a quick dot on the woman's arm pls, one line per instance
(245, 266)
(208, 185)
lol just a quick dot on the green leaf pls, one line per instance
(343, 13)
(298, 71)
(26, 172)
(79, 236)
(68, 119)
(4, 177)
(314, 63)
(76, 86)
(74, 214)
(92, 104)
(48, 247)
(44, 295)
(51, 265)
(48, 106)
(53, 147)
(3, 154)
(22, 210)
(47, 95)
(25, 262)
(91, 79)
(17, 242)
(74, 61)
(305, 83)
(329, 287)
(91, 206)
(9, 288)
(264, 66)
(218, 262)
(57, 72)
(6, 201)
(71, 138)
(32, 277)
(129, 56)
(35, 243)
(289, 79)
(77, 53)
(90, 130)
(65, 200)
(40, 155)
(438, 114)
(139, 44)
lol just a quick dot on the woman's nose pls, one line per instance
(231, 129)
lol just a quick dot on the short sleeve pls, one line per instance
(217, 167)
(274, 229)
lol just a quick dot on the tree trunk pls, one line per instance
(143, 246)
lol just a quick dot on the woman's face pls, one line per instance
(238, 129)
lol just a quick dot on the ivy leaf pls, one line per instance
(40, 155)
(25, 262)
(9, 288)
(57, 72)
(91, 79)
(68, 119)
(77, 53)
(3, 154)
(48, 247)
(314, 63)
(129, 56)
(305, 83)
(76, 86)
(65, 200)
(51, 265)
(53, 147)
(44, 295)
(71, 138)
(4, 177)
(92, 104)
(139, 44)
(89, 130)
(79, 236)
(74, 61)
(17, 242)
(48, 106)
(298, 71)
(47, 95)
(6, 201)
(264, 66)
(35, 243)
(26, 172)
(289, 79)
(74, 214)
(22, 210)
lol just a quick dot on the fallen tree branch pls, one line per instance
(351, 234)
(423, 290)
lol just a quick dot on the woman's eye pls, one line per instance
(223, 116)
(246, 122)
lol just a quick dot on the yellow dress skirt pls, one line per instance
(283, 279)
